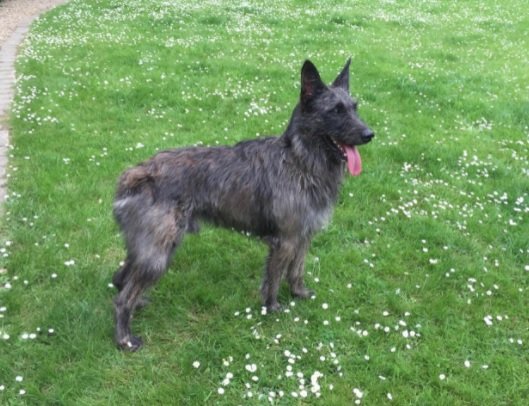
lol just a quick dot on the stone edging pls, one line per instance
(8, 54)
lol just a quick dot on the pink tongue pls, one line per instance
(354, 162)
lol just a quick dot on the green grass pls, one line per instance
(426, 248)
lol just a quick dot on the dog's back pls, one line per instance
(257, 186)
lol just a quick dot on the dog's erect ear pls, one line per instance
(342, 80)
(311, 83)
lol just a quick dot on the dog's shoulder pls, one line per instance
(258, 147)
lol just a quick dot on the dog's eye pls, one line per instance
(339, 108)
(355, 105)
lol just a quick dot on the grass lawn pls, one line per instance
(421, 278)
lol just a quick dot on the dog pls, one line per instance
(281, 189)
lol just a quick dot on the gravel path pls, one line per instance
(15, 18)
(15, 12)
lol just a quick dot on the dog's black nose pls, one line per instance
(367, 135)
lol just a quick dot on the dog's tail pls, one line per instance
(135, 186)
(134, 181)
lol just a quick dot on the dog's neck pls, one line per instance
(308, 148)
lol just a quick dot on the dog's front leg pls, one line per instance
(281, 254)
(296, 270)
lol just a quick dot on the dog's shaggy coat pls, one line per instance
(282, 189)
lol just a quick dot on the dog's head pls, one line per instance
(331, 114)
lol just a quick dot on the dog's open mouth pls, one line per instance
(351, 155)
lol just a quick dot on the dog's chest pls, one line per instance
(318, 219)
(304, 210)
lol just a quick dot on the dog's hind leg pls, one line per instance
(124, 305)
(296, 270)
(151, 243)
(120, 279)
(121, 275)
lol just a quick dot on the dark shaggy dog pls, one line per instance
(281, 189)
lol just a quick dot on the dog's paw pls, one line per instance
(303, 293)
(273, 307)
(130, 344)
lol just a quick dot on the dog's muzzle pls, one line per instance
(367, 135)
